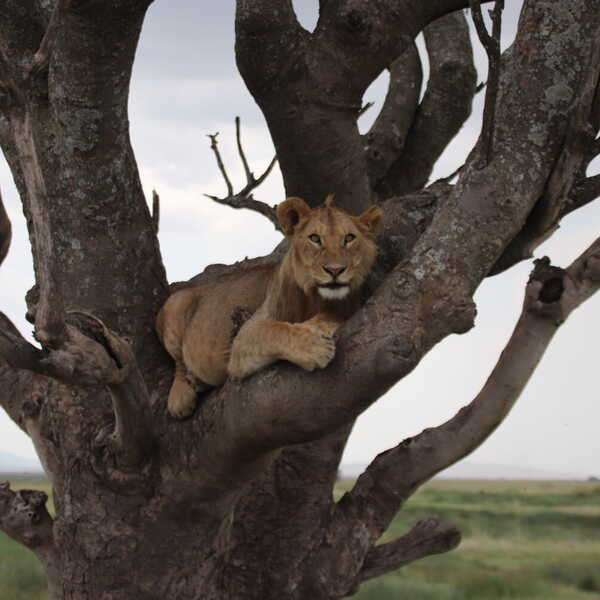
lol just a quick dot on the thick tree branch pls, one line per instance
(386, 138)
(49, 314)
(23, 516)
(429, 536)
(269, 31)
(445, 106)
(564, 192)
(243, 199)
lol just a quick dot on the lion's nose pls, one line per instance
(334, 270)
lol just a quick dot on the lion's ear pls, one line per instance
(370, 220)
(289, 214)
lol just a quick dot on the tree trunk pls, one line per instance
(237, 502)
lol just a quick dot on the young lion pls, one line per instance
(297, 304)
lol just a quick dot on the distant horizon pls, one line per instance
(462, 470)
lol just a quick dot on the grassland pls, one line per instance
(521, 540)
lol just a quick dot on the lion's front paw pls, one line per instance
(317, 349)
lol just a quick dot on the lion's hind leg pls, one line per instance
(182, 396)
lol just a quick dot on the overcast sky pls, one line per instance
(185, 86)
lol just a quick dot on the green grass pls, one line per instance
(521, 541)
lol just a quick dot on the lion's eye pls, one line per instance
(349, 238)
(313, 237)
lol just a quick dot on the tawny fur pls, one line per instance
(296, 306)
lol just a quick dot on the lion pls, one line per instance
(296, 306)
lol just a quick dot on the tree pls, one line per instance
(237, 501)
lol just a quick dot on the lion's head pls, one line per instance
(331, 252)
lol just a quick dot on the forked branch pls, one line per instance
(244, 198)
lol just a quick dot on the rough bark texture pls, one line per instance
(236, 502)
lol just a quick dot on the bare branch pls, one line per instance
(429, 536)
(250, 203)
(445, 106)
(238, 137)
(243, 199)
(385, 141)
(23, 516)
(492, 48)
(215, 148)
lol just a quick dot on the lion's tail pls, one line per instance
(5, 232)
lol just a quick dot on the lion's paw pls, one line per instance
(318, 349)
(181, 406)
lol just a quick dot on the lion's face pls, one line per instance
(330, 251)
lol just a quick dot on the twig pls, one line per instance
(364, 109)
(215, 148)
(155, 210)
(492, 48)
(243, 199)
(238, 137)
